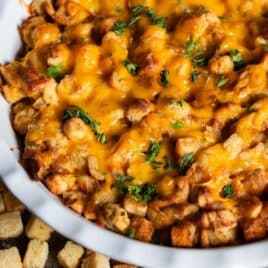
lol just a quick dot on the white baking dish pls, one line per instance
(76, 228)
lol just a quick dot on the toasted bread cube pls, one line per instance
(70, 255)
(134, 207)
(2, 187)
(2, 205)
(95, 260)
(142, 229)
(10, 225)
(11, 202)
(10, 258)
(36, 254)
(36, 229)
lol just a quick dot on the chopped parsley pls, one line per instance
(55, 71)
(195, 75)
(198, 58)
(156, 164)
(138, 9)
(164, 78)
(265, 47)
(119, 27)
(168, 164)
(131, 67)
(82, 40)
(123, 177)
(222, 81)
(75, 111)
(133, 20)
(177, 125)
(140, 193)
(186, 162)
(227, 191)
(237, 59)
(156, 20)
(130, 234)
(153, 151)
(119, 8)
(143, 193)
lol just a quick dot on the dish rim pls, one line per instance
(48, 208)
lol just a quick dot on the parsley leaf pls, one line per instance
(156, 20)
(186, 162)
(123, 177)
(164, 78)
(130, 234)
(131, 67)
(119, 27)
(195, 75)
(189, 47)
(177, 125)
(75, 111)
(156, 164)
(237, 59)
(227, 191)
(55, 71)
(222, 81)
(153, 151)
(133, 20)
(137, 9)
(143, 193)
(119, 8)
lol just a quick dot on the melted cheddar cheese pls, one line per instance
(148, 117)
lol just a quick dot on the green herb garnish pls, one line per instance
(143, 193)
(227, 191)
(119, 8)
(222, 81)
(138, 9)
(186, 162)
(130, 234)
(55, 71)
(156, 20)
(75, 111)
(177, 125)
(189, 47)
(153, 151)
(164, 78)
(195, 75)
(133, 20)
(123, 177)
(237, 59)
(156, 164)
(119, 27)
(131, 67)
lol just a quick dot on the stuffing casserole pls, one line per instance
(148, 117)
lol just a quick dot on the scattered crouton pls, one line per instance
(2, 205)
(2, 186)
(36, 229)
(70, 255)
(95, 260)
(12, 203)
(142, 229)
(36, 254)
(135, 207)
(10, 258)
(10, 225)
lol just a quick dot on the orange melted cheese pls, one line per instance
(222, 125)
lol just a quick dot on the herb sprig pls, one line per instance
(186, 162)
(55, 71)
(75, 111)
(227, 191)
(153, 151)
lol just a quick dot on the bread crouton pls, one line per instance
(36, 229)
(70, 255)
(184, 235)
(142, 229)
(10, 225)
(12, 203)
(10, 258)
(36, 254)
(95, 260)
(2, 205)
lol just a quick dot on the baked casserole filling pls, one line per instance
(148, 117)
